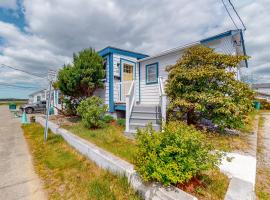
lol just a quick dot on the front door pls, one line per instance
(127, 78)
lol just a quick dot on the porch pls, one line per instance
(139, 115)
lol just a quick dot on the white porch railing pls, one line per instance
(130, 101)
(122, 90)
(162, 99)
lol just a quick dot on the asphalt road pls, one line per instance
(17, 177)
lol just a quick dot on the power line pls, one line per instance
(30, 73)
(17, 86)
(238, 15)
(229, 14)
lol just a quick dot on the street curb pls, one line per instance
(118, 166)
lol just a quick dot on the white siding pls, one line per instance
(224, 45)
(104, 93)
(149, 92)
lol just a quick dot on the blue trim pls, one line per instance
(106, 69)
(139, 81)
(216, 37)
(122, 60)
(114, 50)
(146, 73)
(120, 107)
(111, 77)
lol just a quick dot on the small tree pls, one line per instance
(202, 84)
(80, 79)
(92, 110)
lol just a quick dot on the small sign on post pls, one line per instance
(51, 78)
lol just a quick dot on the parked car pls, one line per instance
(34, 107)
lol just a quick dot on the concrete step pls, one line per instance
(145, 108)
(145, 120)
(145, 114)
(134, 126)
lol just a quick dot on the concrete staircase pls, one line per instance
(142, 115)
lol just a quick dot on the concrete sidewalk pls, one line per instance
(18, 179)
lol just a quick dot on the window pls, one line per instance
(105, 62)
(151, 73)
(38, 98)
(127, 72)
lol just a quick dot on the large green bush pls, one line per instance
(175, 155)
(92, 111)
(203, 85)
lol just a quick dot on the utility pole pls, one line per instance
(51, 77)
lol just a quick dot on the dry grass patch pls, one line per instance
(263, 171)
(215, 185)
(228, 143)
(69, 175)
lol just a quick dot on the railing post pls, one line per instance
(127, 113)
(163, 109)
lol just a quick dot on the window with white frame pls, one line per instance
(151, 73)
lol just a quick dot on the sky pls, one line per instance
(37, 35)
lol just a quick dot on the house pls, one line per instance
(37, 96)
(262, 90)
(134, 85)
(42, 95)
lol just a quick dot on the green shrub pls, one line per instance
(175, 155)
(108, 118)
(92, 112)
(121, 121)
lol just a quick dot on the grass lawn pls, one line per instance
(112, 139)
(263, 172)
(67, 174)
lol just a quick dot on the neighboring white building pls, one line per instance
(135, 82)
(37, 96)
(43, 95)
(263, 90)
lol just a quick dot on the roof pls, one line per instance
(110, 49)
(260, 85)
(263, 94)
(203, 41)
(32, 94)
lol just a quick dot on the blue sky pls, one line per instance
(36, 35)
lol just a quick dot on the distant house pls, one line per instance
(134, 84)
(43, 95)
(37, 96)
(262, 90)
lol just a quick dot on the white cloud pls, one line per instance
(57, 28)
(10, 4)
